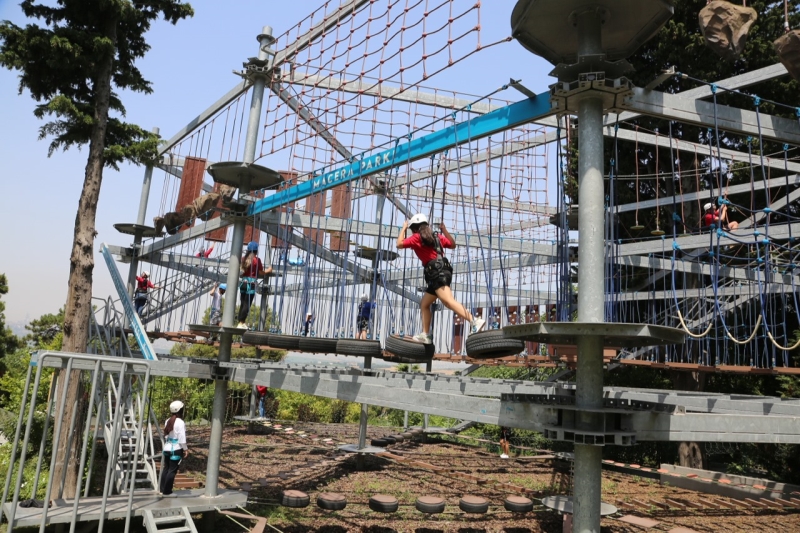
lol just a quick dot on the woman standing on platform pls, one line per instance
(251, 269)
(175, 448)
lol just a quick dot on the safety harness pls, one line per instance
(438, 269)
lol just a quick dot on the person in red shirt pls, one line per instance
(438, 272)
(143, 284)
(718, 217)
(251, 269)
(262, 397)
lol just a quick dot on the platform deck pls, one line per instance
(116, 507)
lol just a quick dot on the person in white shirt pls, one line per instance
(175, 448)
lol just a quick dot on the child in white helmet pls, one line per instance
(718, 217)
(175, 448)
(438, 272)
(143, 284)
(215, 317)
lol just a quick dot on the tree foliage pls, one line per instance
(58, 64)
(8, 341)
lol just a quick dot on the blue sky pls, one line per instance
(190, 66)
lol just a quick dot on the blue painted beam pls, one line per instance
(133, 319)
(482, 126)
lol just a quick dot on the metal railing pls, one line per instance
(119, 402)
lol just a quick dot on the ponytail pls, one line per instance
(248, 260)
(426, 235)
(170, 425)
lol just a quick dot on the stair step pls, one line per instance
(182, 529)
(169, 519)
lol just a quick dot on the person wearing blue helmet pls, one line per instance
(250, 269)
(215, 318)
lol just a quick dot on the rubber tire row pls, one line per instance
(356, 347)
(492, 344)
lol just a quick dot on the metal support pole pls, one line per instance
(362, 423)
(221, 385)
(589, 388)
(148, 178)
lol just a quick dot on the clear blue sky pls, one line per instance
(190, 66)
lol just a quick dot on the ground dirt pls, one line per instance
(302, 460)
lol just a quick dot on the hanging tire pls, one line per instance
(429, 504)
(473, 504)
(408, 351)
(285, 342)
(383, 503)
(359, 348)
(398, 438)
(295, 498)
(518, 504)
(492, 345)
(407, 435)
(380, 443)
(331, 501)
(317, 345)
(258, 338)
(390, 440)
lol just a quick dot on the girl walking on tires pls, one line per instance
(438, 272)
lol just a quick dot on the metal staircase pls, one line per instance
(169, 521)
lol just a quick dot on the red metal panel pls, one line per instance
(221, 234)
(191, 182)
(341, 207)
(315, 204)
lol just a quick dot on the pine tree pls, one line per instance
(72, 62)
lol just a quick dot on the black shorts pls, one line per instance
(363, 323)
(438, 274)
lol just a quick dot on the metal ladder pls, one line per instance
(169, 521)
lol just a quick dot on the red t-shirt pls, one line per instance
(710, 217)
(262, 390)
(255, 268)
(426, 254)
(143, 284)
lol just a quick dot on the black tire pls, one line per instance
(518, 504)
(285, 342)
(331, 501)
(359, 348)
(416, 432)
(380, 443)
(295, 498)
(492, 345)
(407, 435)
(390, 440)
(398, 438)
(383, 503)
(429, 504)
(317, 345)
(259, 338)
(473, 504)
(405, 350)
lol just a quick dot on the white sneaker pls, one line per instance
(424, 338)
(477, 324)
(241, 325)
(503, 456)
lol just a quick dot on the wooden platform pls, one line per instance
(116, 506)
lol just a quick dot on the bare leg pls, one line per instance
(446, 296)
(425, 307)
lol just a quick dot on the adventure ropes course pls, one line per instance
(683, 255)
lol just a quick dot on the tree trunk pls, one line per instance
(79, 292)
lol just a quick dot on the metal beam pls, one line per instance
(701, 113)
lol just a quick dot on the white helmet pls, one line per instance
(145, 274)
(419, 218)
(364, 297)
(708, 206)
(175, 406)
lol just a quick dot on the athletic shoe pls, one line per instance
(424, 338)
(241, 325)
(477, 324)
(503, 456)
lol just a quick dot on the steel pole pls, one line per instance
(591, 243)
(148, 178)
(226, 339)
